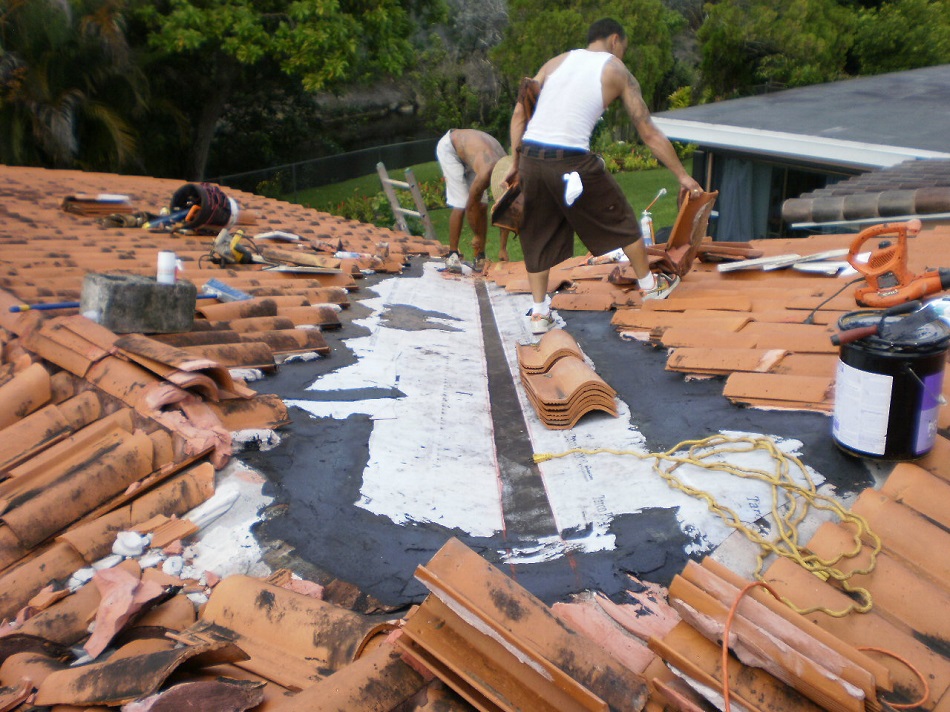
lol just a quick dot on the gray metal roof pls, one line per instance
(864, 122)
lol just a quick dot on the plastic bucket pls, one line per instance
(888, 392)
(214, 211)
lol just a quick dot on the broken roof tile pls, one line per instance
(458, 576)
(312, 640)
(135, 671)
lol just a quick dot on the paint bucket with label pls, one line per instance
(888, 387)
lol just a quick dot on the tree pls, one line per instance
(903, 34)
(67, 85)
(208, 47)
(539, 29)
(751, 44)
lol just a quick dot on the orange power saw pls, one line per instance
(888, 281)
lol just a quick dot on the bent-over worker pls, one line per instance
(467, 157)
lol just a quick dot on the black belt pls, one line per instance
(534, 150)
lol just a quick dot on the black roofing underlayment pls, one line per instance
(315, 473)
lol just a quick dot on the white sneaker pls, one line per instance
(664, 285)
(453, 263)
(541, 323)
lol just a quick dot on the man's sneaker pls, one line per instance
(453, 263)
(542, 323)
(664, 285)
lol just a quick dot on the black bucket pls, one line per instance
(207, 206)
(888, 392)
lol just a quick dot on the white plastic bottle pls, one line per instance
(646, 228)
(167, 268)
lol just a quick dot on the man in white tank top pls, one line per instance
(552, 153)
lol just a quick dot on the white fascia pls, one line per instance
(789, 145)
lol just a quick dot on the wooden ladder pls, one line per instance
(390, 185)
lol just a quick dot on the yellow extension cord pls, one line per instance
(791, 502)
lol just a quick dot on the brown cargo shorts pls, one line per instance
(601, 217)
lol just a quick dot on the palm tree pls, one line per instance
(67, 84)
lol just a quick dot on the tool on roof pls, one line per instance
(888, 280)
(234, 248)
(50, 306)
(223, 292)
(165, 220)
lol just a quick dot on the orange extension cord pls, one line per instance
(727, 707)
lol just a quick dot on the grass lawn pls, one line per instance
(640, 188)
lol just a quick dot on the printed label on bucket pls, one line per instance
(929, 409)
(862, 408)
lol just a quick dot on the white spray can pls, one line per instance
(646, 220)
(646, 228)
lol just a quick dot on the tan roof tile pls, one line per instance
(135, 671)
(540, 356)
(25, 393)
(773, 390)
(47, 426)
(897, 590)
(379, 679)
(66, 495)
(314, 638)
(724, 361)
(488, 607)
(691, 654)
(907, 535)
(175, 496)
(807, 591)
(912, 485)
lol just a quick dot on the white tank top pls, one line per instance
(571, 102)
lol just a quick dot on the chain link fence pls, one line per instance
(288, 179)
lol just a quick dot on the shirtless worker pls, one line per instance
(467, 157)
(567, 188)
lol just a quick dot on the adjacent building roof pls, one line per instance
(858, 123)
(911, 188)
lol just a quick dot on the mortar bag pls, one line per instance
(209, 208)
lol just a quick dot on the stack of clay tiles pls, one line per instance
(560, 383)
